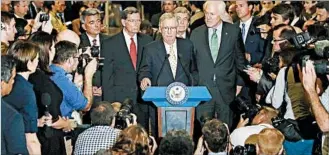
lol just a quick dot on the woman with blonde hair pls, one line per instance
(134, 140)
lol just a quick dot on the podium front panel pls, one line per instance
(175, 118)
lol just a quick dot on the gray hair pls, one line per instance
(88, 12)
(167, 16)
(7, 65)
(221, 9)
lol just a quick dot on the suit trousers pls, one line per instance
(215, 108)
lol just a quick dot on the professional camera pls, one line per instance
(123, 114)
(44, 17)
(84, 58)
(247, 149)
(247, 109)
(321, 67)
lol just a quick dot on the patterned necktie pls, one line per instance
(172, 60)
(133, 52)
(214, 45)
(243, 30)
(94, 42)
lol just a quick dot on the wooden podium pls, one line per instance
(178, 116)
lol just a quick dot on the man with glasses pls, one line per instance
(66, 62)
(168, 60)
(123, 54)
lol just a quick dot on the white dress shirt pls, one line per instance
(98, 42)
(218, 32)
(128, 41)
(246, 28)
(275, 95)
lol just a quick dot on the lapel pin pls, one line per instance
(225, 33)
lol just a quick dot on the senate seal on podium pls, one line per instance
(177, 93)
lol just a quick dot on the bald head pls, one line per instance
(68, 35)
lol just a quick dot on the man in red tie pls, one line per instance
(123, 53)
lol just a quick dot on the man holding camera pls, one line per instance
(65, 62)
(102, 134)
(319, 105)
(215, 139)
(262, 120)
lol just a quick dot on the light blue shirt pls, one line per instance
(73, 98)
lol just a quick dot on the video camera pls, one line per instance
(123, 114)
(44, 17)
(313, 45)
(247, 149)
(84, 58)
(247, 109)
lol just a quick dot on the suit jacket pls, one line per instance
(85, 43)
(119, 78)
(254, 44)
(219, 76)
(31, 12)
(155, 64)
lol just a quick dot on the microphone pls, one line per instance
(188, 74)
(163, 63)
(46, 101)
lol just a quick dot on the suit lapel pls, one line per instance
(224, 43)
(162, 55)
(84, 39)
(139, 50)
(250, 28)
(126, 51)
(206, 38)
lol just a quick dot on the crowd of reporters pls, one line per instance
(48, 83)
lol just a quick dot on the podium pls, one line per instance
(176, 114)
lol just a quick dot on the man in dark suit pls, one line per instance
(91, 23)
(219, 56)
(166, 61)
(34, 8)
(167, 6)
(123, 53)
(253, 42)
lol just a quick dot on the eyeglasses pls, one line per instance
(278, 40)
(169, 29)
(134, 20)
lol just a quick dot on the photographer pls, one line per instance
(258, 123)
(288, 96)
(102, 134)
(266, 76)
(215, 138)
(319, 105)
(65, 62)
(43, 19)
